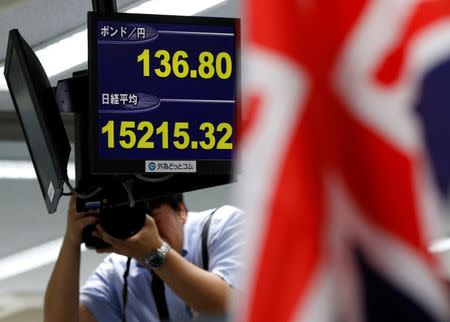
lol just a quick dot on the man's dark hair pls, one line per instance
(172, 200)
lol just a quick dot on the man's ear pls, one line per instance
(182, 212)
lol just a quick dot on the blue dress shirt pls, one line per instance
(102, 293)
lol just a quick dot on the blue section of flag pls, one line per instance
(383, 301)
(434, 110)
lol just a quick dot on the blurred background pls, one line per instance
(29, 237)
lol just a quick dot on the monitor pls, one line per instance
(41, 122)
(163, 94)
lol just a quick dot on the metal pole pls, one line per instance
(104, 7)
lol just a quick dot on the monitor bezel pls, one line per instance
(137, 166)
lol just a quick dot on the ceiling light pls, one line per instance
(175, 7)
(72, 51)
(3, 86)
(24, 170)
(31, 258)
(64, 54)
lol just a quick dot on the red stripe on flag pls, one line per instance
(380, 178)
(292, 244)
(296, 217)
(426, 14)
(250, 117)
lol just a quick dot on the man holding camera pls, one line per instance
(195, 255)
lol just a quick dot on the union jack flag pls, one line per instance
(346, 158)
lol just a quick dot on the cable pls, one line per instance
(154, 180)
(64, 193)
(83, 196)
(69, 185)
(128, 190)
(125, 289)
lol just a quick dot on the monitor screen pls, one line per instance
(163, 93)
(39, 116)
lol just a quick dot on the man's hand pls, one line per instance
(137, 246)
(77, 221)
(61, 297)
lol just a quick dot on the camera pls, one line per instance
(112, 220)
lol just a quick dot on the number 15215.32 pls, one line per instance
(139, 135)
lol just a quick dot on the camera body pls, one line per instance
(112, 220)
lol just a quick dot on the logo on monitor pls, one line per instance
(152, 166)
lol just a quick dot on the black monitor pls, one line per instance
(41, 122)
(163, 94)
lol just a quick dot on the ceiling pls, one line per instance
(24, 222)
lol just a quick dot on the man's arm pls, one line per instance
(203, 291)
(210, 292)
(61, 301)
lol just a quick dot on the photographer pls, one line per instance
(171, 247)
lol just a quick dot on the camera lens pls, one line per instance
(123, 221)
